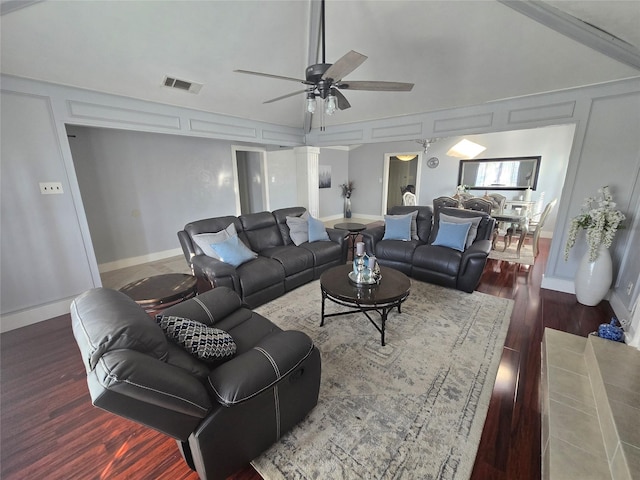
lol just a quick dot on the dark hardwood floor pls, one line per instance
(49, 429)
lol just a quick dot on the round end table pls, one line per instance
(156, 293)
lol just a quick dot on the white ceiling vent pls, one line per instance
(185, 85)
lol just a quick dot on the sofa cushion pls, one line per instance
(317, 231)
(281, 215)
(396, 250)
(473, 230)
(259, 274)
(397, 227)
(299, 228)
(233, 251)
(292, 259)
(261, 230)
(206, 240)
(323, 252)
(452, 235)
(206, 343)
(438, 259)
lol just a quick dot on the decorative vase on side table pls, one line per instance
(347, 207)
(593, 278)
(347, 190)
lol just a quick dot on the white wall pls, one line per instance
(281, 166)
(139, 189)
(331, 200)
(553, 143)
(50, 235)
(44, 260)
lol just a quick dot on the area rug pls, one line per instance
(511, 254)
(413, 409)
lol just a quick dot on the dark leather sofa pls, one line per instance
(433, 263)
(280, 266)
(222, 414)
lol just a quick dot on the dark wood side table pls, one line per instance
(389, 294)
(354, 230)
(156, 293)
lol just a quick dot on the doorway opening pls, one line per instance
(401, 171)
(250, 172)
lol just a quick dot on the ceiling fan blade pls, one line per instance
(344, 66)
(280, 77)
(376, 86)
(343, 103)
(285, 96)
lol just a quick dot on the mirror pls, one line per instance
(514, 173)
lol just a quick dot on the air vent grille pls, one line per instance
(185, 85)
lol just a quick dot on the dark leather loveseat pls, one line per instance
(223, 413)
(419, 259)
(280, 265)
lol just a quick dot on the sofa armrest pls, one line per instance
(262, 367)
(149, 391)
(218, 273)
(370, 237)
(338, 236)
(210, 307)
(187, 246)
(142, 377)
(479, 247)
(472, 265)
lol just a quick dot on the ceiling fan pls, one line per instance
(325, 80)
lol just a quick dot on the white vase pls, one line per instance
(593, 279)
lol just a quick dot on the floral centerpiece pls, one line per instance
(600, 219)
(347, 189)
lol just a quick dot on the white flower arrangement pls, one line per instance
(600, 219)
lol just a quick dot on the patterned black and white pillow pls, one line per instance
(206, 343)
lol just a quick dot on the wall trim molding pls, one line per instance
(133, 261)
(29, 316)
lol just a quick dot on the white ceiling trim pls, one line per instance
(578, 30)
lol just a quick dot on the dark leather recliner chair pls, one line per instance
(222, 415)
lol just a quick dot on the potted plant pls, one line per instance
(347, 189)
(601, 220)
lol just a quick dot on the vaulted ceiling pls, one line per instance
(457, 53)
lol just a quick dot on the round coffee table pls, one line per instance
(389, 294)
(156, 293)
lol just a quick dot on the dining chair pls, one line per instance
(535, 226)
(498, 201)
(479, 204)
(442, 202)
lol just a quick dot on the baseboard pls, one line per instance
(558, 284)
(132, 261)
(29, 316)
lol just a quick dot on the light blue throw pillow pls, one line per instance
(397, 227)
(233, 251)
(317, 231)
(452, 235)
(473, 230)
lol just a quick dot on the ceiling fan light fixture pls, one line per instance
(311, 102)
(330, 104)
(466, 149)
